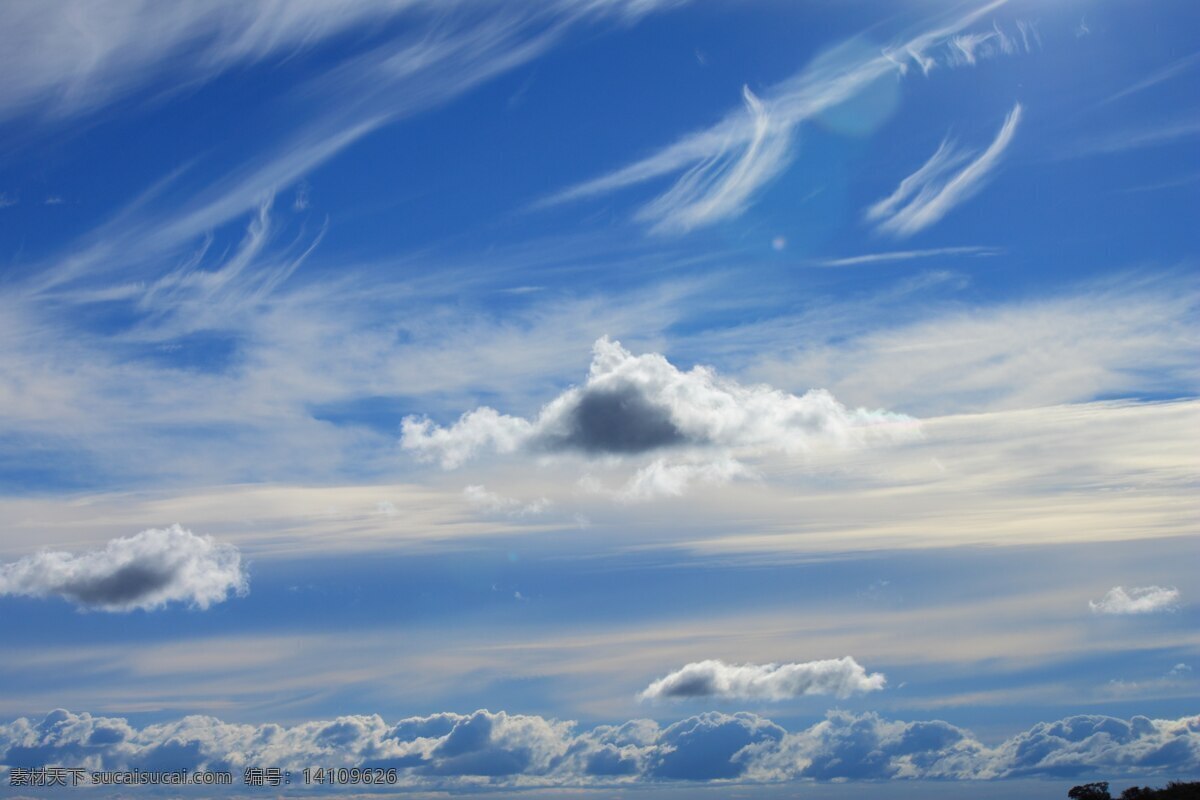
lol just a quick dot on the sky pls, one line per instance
(600, 398)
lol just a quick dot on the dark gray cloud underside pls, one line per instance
(127, 585)
(618, 421)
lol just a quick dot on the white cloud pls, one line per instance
(724, 165)
(492, 503)
(721, 186)
(67, 57)
(145, 571)
(908, 255)
(1155, 135)
(1124, 336)
(633, 406)
(841, 677)
(1094, 743)
(928, 194)
(1138, 600)
(73, 55)
(273, 354)
(529, 751)
(1164, 74)
(667, 478)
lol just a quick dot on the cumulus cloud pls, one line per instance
(841, 677)
(1087, 743)
(633, 405)
(928, 194)
(846, 746)
(1138, 600)
(146, 571)
(528, 750)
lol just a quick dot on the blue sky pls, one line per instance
(646, 396)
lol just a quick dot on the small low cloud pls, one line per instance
(488, 502)
(841, 677)
(1137, 600)
(145, 571)
(455, 751)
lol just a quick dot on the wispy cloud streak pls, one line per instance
(930, 193)
(721, 186)
(1134, 139)
(907, 255)
(69, 57)
(723, 165)
(1164, 74)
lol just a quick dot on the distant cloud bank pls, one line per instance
(515, 749)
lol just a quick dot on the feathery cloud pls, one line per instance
(908, 255)
(928, 194)
(514, 749)
(722, 166)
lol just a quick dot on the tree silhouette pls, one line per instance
(1090, 791)
(1174, 790)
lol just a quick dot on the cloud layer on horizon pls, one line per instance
(529, 750)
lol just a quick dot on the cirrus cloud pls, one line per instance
(449, 749)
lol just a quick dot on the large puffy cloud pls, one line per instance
(836, 676)
(685, 426)
(531, 750)
(145, 571)
(1081, 744)
(711, 745)
(1138, 600)
(867, 747)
